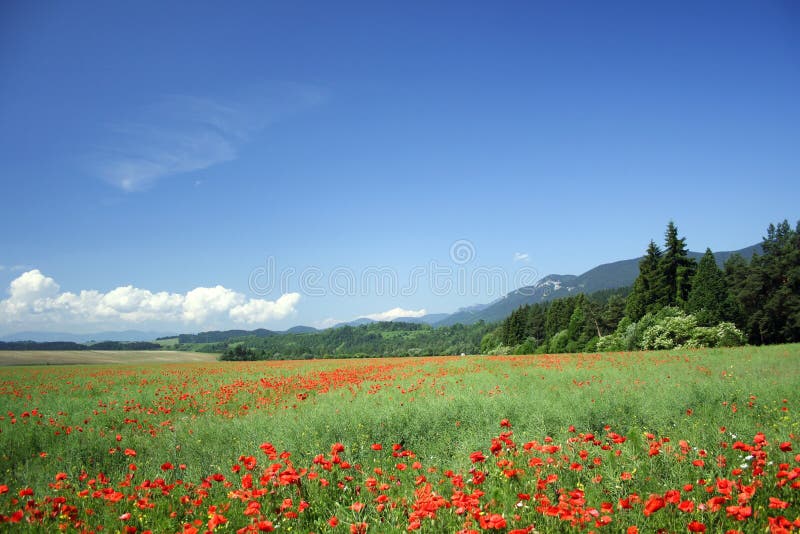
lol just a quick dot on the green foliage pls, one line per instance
(760, 300)
(559, 342)
(669, 332)
(364, 341)
(669, 328)
(721, 335)
(768, 291)
(664, 277)
(646, 289)
(571, 324)
(708, 299)
(490, 341)
(677, 269)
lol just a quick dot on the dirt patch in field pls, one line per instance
(89, 357)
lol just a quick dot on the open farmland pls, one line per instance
(699, 441)
(100, 357)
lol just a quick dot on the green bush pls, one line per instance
(672, 331)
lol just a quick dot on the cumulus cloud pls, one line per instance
(521, 256)
(259, 311)
(394, 313)
(37, 299)
(202, 302)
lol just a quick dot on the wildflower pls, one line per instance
(653, 504)
(477, 456)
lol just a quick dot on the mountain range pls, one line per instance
(606, 276)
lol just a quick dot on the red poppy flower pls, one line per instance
(477, 456)
(653, 504)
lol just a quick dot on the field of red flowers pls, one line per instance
(681, 441)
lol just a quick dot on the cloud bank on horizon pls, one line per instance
(388, 315)
(36, 300)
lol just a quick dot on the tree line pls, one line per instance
(369, 340)
(675, 301)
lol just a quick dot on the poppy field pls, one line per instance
(672, 441)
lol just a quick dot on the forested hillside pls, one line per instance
(369, 340)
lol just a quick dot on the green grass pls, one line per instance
(207, 415)
(169, 342)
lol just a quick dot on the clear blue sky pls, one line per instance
(149, 149)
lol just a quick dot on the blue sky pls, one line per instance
(159, 160)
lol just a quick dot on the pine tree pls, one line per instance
(737, 272)
(644, 296)
(677, 270)
(513, 332)
(770, 293)
(709, 295)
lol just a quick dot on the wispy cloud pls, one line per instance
(521, 256)
(36, 299)
(185, 133)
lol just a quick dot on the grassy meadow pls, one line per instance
(673, 441)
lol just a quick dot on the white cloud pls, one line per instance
(394, 313)
(521, 256)
(36, 299)
(30, 287)
(259, 311)
(203, 302)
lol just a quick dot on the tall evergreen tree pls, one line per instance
(708, 297)
(644, 295)
(737, 277)
(514, 327)
(558, 315)
(677, 270)
(537, 316)
(770, 294)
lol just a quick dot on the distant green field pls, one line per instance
(89, 357)
(167, 342)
